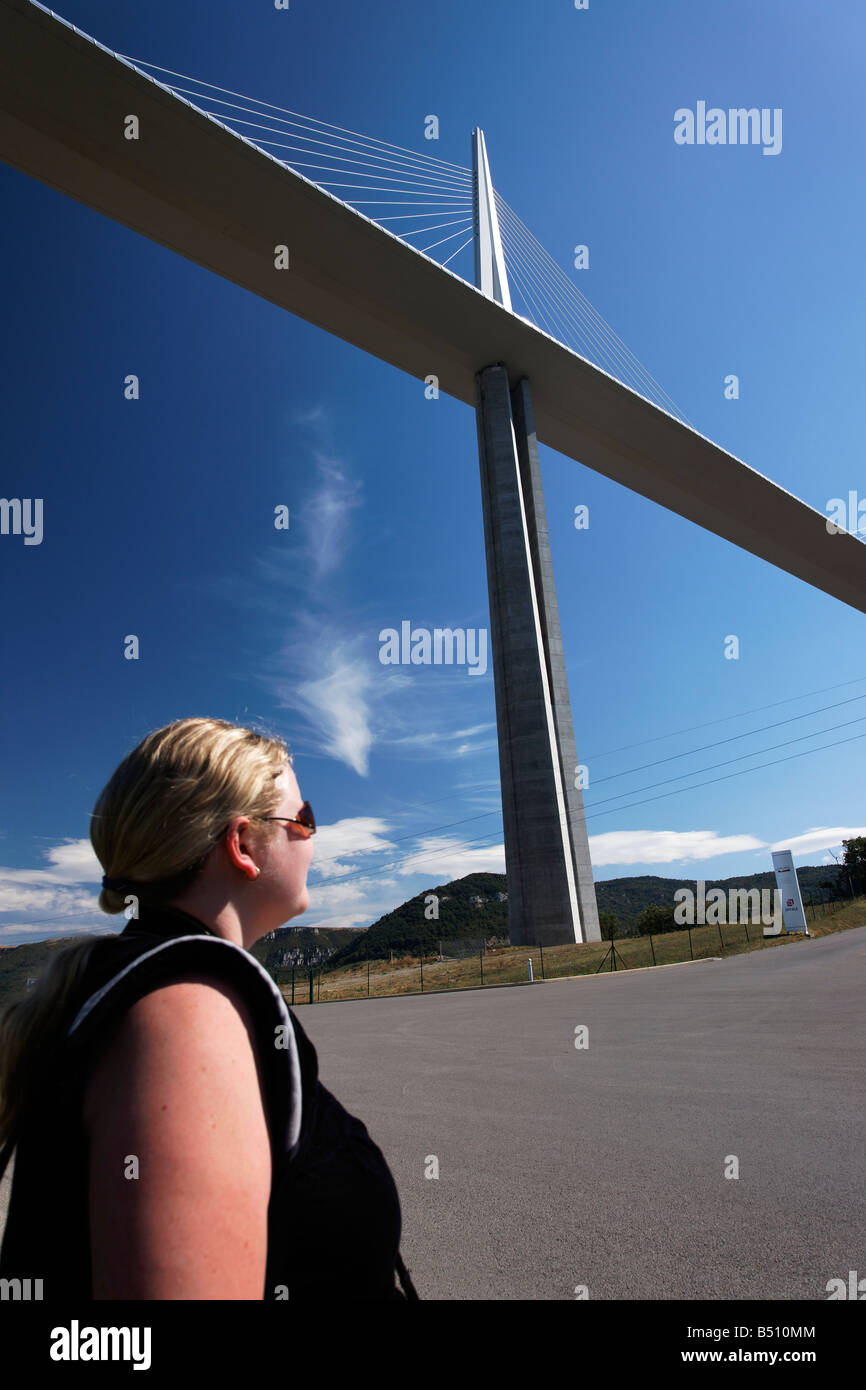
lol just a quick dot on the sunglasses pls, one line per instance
(304, 818)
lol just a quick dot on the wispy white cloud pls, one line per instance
(53, 894)
(490, 785)
(355, 903)
(327, 671)
(325, 518)
(674, 846)
(72, 861)
(51, 899)
(665, 846)
(328, 681)
(820, 837)
(437, 740)
(324, 672)
(436, 737)
(438, 857)
(329, 674)
(356, 836)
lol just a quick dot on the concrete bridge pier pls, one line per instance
(551, 894)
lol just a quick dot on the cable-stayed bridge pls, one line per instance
(380, 241)
(428, 203)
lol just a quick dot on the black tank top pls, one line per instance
(334, 1218)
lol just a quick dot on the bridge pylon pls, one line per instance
(551, 893)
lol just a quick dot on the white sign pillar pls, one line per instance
(793, 912)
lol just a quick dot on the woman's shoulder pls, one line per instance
(144, 982)
(127, 967)
(196, 1020)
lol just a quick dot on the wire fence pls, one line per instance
(456, 966)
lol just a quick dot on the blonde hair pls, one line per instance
(153, 828)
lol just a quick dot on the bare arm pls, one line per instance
(178, 1087)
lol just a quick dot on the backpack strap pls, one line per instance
(159, 965)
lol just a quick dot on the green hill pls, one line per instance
(19, 964)
(407, 930)
(627, 897)
(299, 948)
(278, 952)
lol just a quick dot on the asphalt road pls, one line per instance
(605, 1166)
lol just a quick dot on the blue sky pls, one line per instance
(158, 514)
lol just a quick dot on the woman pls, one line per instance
(172, 1140)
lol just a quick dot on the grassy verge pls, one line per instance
(508, 965)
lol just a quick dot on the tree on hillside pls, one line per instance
(832, 889)
(611, 926)
(654, 920)
(854, 860)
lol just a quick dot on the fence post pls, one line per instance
(652, 948)
(541, 949)
(368, 979)
(746, 925)
(422, 974)
(311, 984)
(293, 984)
(691, 950)
(481, 963)
(721, 938)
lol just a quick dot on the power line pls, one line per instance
(365, 873)
(734, 738)
(696, 772)
(742, 773)
(759, 709)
